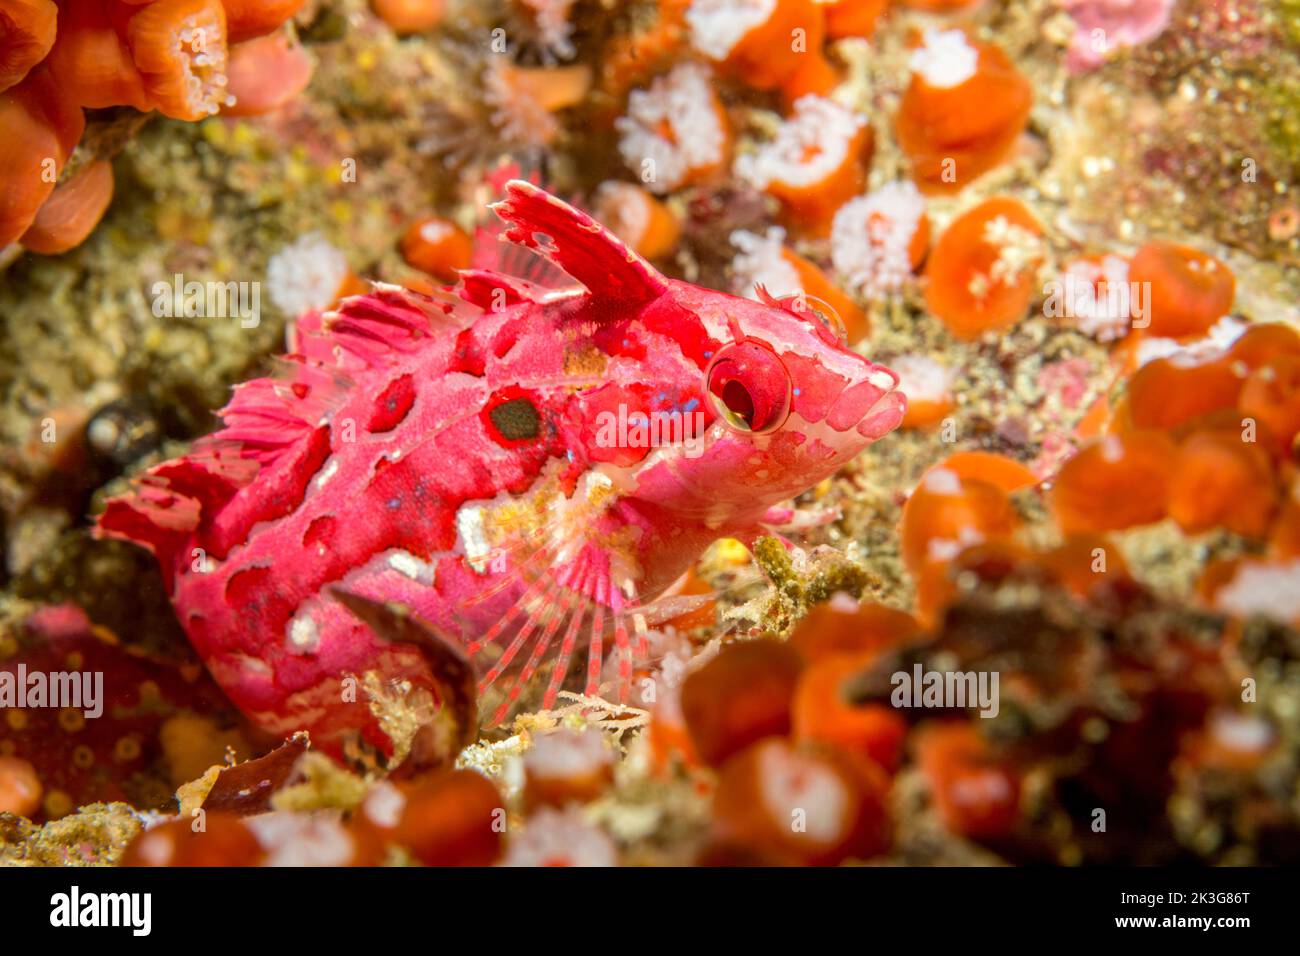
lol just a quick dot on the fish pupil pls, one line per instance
(737, 398)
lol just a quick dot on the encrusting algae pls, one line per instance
(640, 604)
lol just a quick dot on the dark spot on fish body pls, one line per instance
(244, 586)
(516, 420)
(320, 533)
(392, 405)
(468, 356)
(507, 336)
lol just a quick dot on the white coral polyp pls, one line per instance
(516, 112)
(1215, 342)
(305, 275)
(792, 782)
(560, 838)
(718, 25)
(871, 237)
(1268, 589)
(808, 147)
(682, 103)
(945, 59)
(762, 261)
(1098, 296)
(554, 29)
(567, 754)
(921, 378)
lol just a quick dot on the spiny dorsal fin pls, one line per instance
(579, 245)
(390, 321)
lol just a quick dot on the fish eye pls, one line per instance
(819, 310)
(749, 387)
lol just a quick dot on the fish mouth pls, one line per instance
(872, 407)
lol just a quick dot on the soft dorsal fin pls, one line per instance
(579, 245)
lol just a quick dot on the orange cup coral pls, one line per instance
(763, 43)
(852, 18)
(437, 246)
(880, 239)
(927, 384)
(638, 218)
(27, 29)
(40, 128)
(962, 112)
(841, 796)
(246, 19)
(1189, 290)
(410, 16)
(824, 711)
(814, 165)
(1113, 483)
(1218, 480)
(73, 210)
(981, 270)
(976, 795)
(740, 697)
(266, 73)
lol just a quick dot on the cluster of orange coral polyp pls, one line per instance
(27, 29)
(168, 55)
(1189, 290)
(952, 135)
(40, 128)
(1248, 381)
(447, 819)
(1207, 441)
(837, 644)
(1178, 393)
(961, 289)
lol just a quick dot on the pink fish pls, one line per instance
(524, 468)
